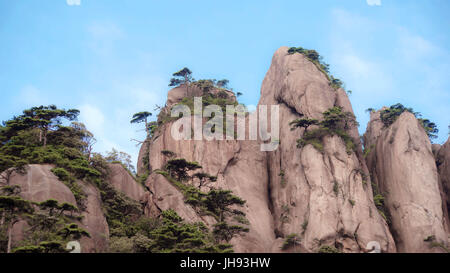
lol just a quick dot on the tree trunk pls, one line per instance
(45, 138)
(146, 128)
(8, 250)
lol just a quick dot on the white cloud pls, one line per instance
(30, 96)
(93, 118)
(373, 2)
(73, 2)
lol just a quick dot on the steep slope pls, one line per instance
(403, 167)
(289, 190)
(40, 184)
(323, 195)
(229, 161)
(123, 182)
(443, 164)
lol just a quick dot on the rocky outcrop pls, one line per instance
(122, 181)
(229, 161)
(443, 164)
(403, 167)
(39, 184)
(94, 221)
(325, 198)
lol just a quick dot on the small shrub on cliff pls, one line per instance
(179, 168)
(335, 122)
(389, 116)
(328, 249)
(291, 240)
(316, 59)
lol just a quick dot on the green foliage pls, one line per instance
(168, 153)
(290, 241)
(283, 179)
(216, 202)
(368, 150)
(219, 201)
(328, 249)
(336, 83)
(223, 83)
(169, 234)
(389, 116)
(45, 225)
(316, 59)
(378, 199)
(123, 158)
(142, 117)
(352, 202)
(303, 122)
(73, 231)
(224, 232)
(336, 188)
(335, 122)
(304, 226)
(431, 239)
(313, 56)
(184, 76)
(429, 127)
(179, 167)
(204, 178)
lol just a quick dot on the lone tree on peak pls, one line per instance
(184, 76)
(179, 167)
(303, 122)
(142, 117)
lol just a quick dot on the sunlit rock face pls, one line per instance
(40, 184)
(303, 200)
(402, 165)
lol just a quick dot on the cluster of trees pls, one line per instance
(24, 140)
(317, 59)
(390, 115)
(49, 223)
(39, 136)
(115, 156)
(335, 122)
(219, 203)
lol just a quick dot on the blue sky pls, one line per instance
(112, 58)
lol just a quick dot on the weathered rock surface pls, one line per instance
(443, 163)
(122, 181)
(402, 165)
(229, 161)
(94, 221)
(40, 184)
(302, 200)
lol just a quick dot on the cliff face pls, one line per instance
(402, 165)
(40, 184)
(289, 190)
(443, 164)
(122, 181)
(322, 193)
(240, 166)
(316, 200)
